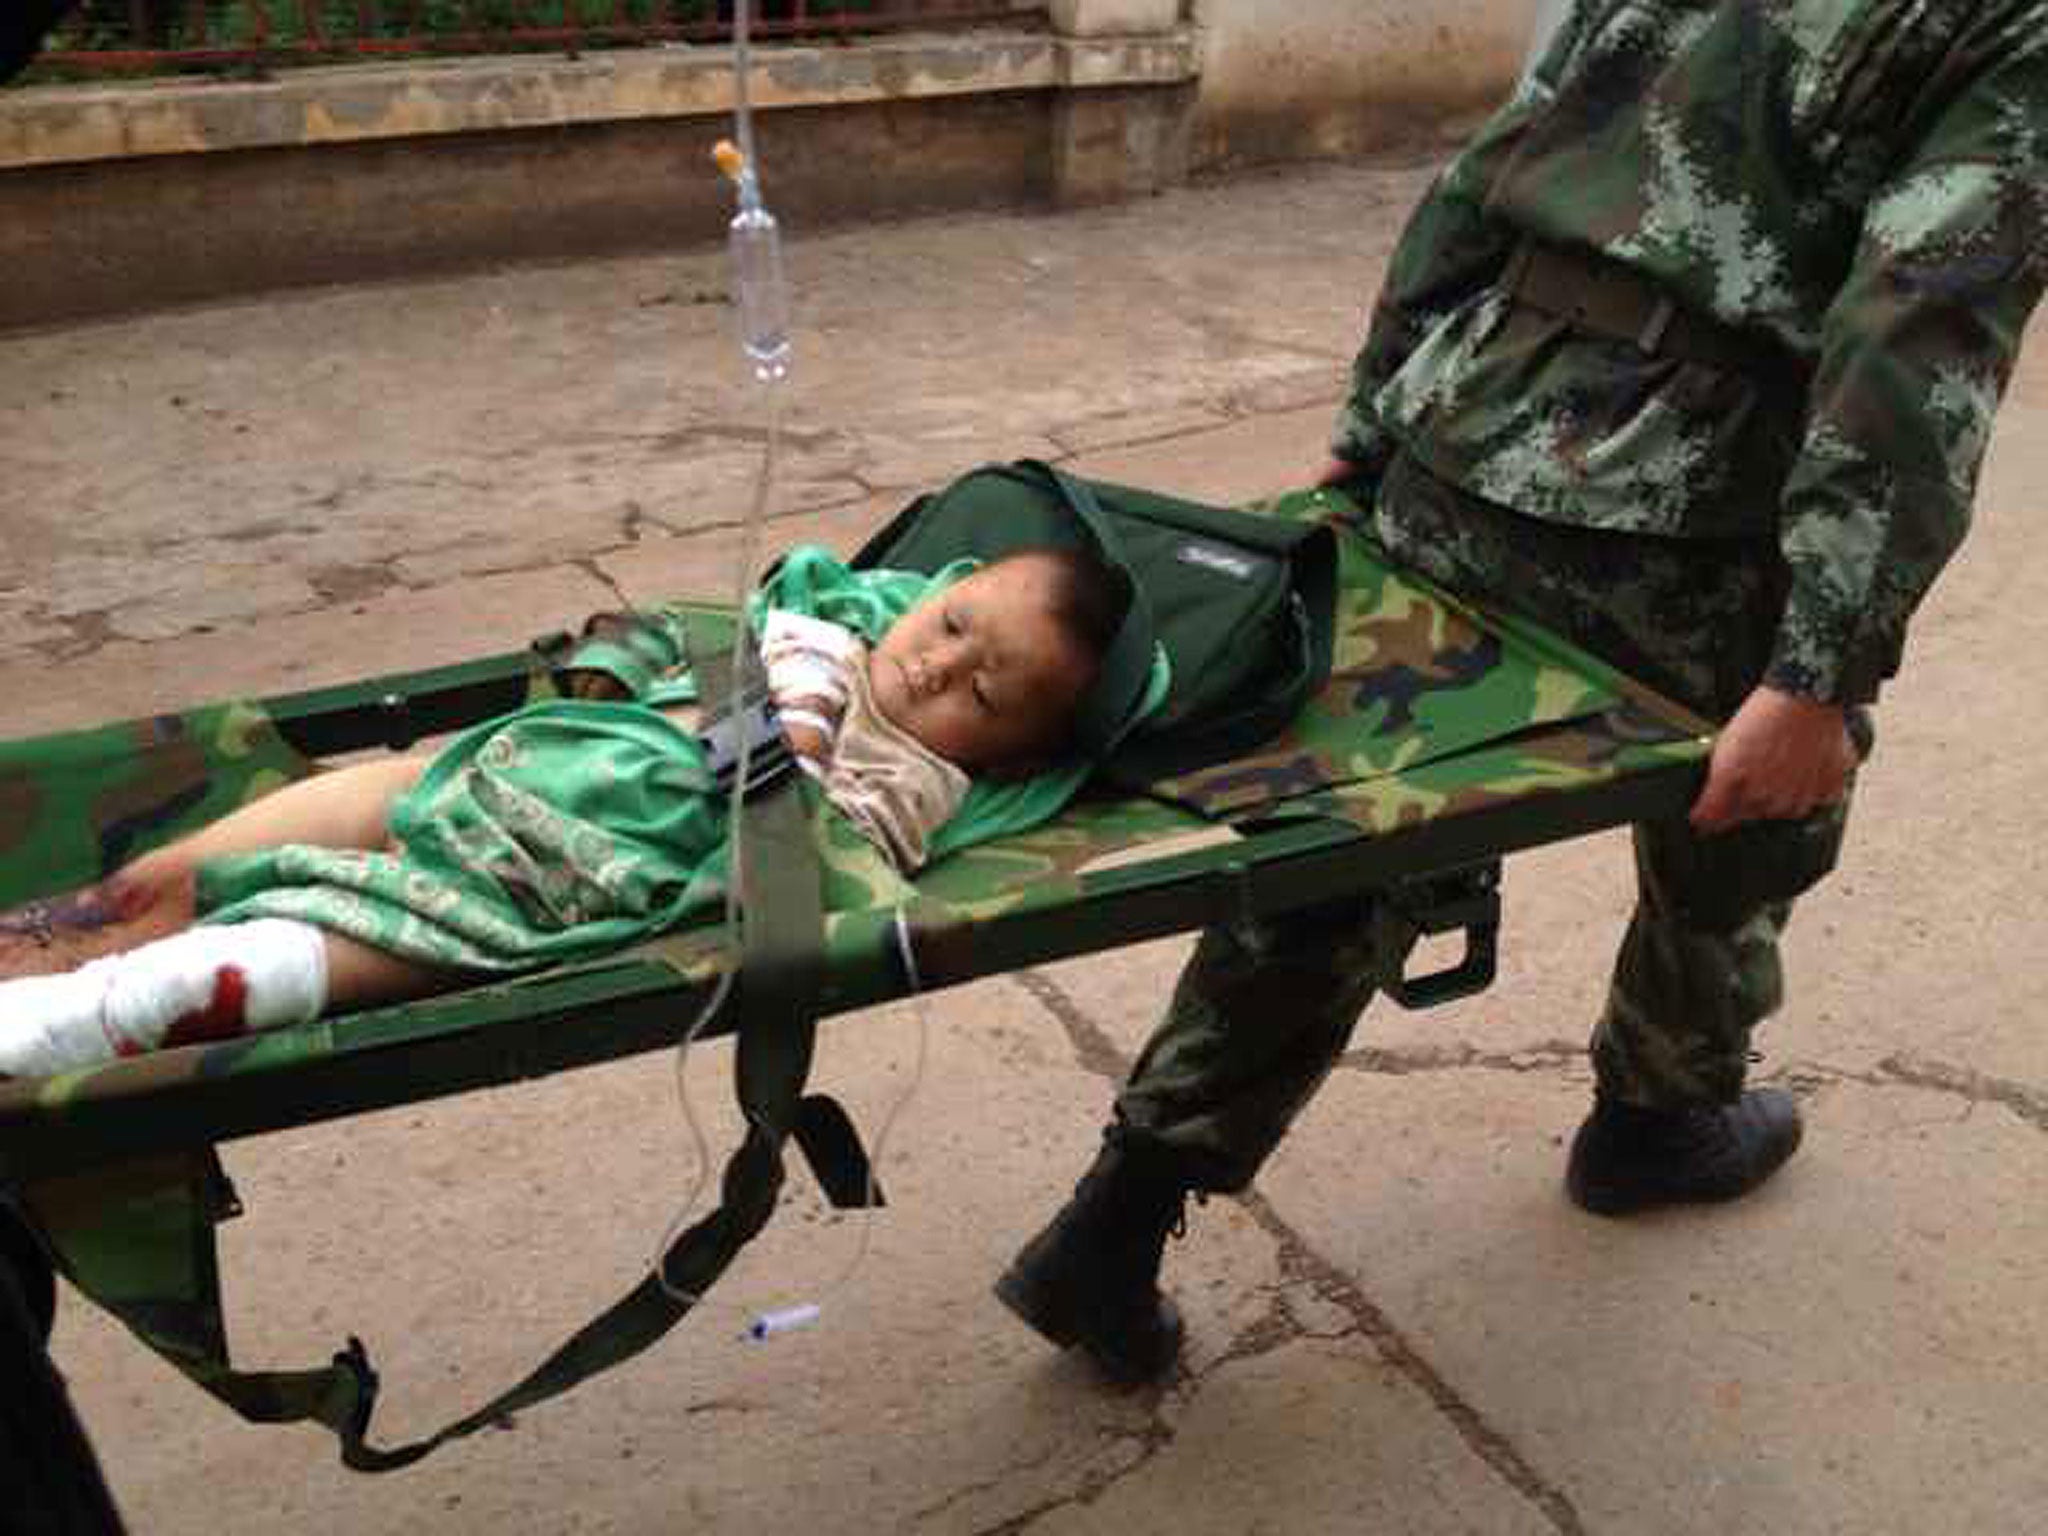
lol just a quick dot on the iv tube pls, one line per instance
(753, 241)
(762, 304)
(761, 300)
(760, 295)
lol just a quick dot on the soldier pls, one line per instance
(1690, 355)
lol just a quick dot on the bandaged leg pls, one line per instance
(207, 983)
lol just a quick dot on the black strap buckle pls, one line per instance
(753, 723)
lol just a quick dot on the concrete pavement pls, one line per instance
(1405, 1328)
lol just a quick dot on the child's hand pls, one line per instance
(586, 684)
(617, 629)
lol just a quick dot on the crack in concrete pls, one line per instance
(988, 1484)
(823, 501)
(597, 573)
(1301, 1264)
(2029, 1104)
(1150, 1440)
(1277, 397)
(352, 583)
(1093, 1049)
(1154, 425)
(348, 583)
(357, 484)
(721, 1405)
(1459, 1056)
(1273, 1329)
(343, 584)
(88, 631)
(1238, 338)
(717, 433)
(635, 520)
(235, 534)
(1904, 1070)
(692, 296)
(1095, 1052)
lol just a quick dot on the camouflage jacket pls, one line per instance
(1861, 183)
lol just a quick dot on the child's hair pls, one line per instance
(1089, 595)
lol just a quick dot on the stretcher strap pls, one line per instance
(778, 991)
(138, 1238)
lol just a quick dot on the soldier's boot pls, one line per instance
(1092, 1276)
(1627, 1158)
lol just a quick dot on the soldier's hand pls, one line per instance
(1782, 756)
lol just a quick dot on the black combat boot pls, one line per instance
(1627, 1158)
(1092, 1276)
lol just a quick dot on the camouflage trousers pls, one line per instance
(1263, 1009)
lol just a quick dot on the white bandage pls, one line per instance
(207, 983)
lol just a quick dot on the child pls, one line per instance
(933, 712)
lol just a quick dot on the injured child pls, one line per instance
(933, 712)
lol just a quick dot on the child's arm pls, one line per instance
(808, 722)
(623, 655)
(626, 655)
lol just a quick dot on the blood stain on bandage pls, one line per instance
(224, 1016)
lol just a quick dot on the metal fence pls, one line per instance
(103, 37)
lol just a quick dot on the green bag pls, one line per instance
(1243, 605)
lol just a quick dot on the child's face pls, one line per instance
(982, 673)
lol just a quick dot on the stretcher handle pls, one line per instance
(1464, 899)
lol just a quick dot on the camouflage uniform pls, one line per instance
(1854, 193)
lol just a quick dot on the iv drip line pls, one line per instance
(761, 304)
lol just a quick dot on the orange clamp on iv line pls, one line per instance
(754, 243)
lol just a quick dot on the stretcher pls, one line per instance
(1446, 737)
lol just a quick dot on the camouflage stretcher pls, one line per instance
(1445, 737)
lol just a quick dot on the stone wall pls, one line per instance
(119, 197)
(139, 195)
(1302, 79)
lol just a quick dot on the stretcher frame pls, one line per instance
(1423, 836)
(506, 1032)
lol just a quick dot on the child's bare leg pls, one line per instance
(361, 976)
(210, 982)
(347, 807)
